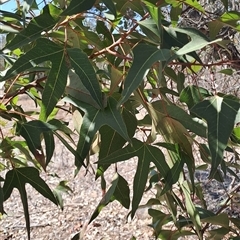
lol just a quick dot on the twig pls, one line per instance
(22, 90)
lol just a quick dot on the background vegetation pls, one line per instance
(156, 80)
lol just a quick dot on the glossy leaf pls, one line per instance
(50, 145)
(149, 27)
(122, 192)
(192, 95)
(146, 154)
(33, 31)
(192, 211)
(220, 114)
(107, 198)
(198, 40)
(32, 132)
(180, 115)
(76, 89)
(17, 178)
(111, 6)
(78, 6)
(166, 125)
(85, 71)
(111, 141)
(46, 50)
(93, 120)
(144, 57)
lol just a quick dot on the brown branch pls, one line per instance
(110, 49)
(14, 26)
(22, 90)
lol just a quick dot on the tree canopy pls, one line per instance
(174, 63)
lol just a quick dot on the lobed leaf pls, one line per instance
(85, 71)
(17, 178)
(93, 120)
(220, 114)
(144, 57)
(146, 154)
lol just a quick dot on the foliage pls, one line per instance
(109, 61)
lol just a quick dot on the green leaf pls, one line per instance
(192, 95)
(111, 141)
(195, 4)
(122, 192)
(178, 160)
(32, 132)
(78, 6)
(33, 31)
(159, 219)
(220, 219)
(17, 178)
(107, 198)
(225, 3)
(204, 213)
(236, 222)
(156, 14)
(166, 125)
(150, 28)
(85, 71)
(231, 18)
(111, 7)
(27, 5)
(1, 200)
(218, 234)
(227, 71)
(198, 40)
(10, 15)
(180, 115)
(146, 154)
(220, 114)
(76, 89)
(94, 119)
(214, 27)
(45, 50)
(50, 145)
(77, 156)
(235, 136)
(192, 211)
(175, 14)
(144, 57)
(61, 188)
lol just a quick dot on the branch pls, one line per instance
(22, 90)
(110, 49)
